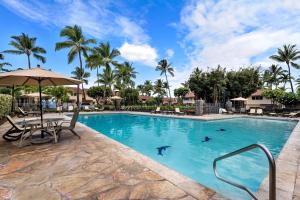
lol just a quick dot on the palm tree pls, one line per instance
(288, 54)
(273, 74)
(284, 78)
(165, 68)
(108, 55)
(95, 60)
(77, 44)
(148, 87)
(159, 88)
(80, 74)
(107, 78)
(24, 44)
(124, 75)
(3, 64)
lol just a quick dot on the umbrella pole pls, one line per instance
(13, 98)
(41, 107)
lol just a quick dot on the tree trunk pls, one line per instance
(28, 60)
(170, 101)
(98, 76)
(80, 62)
(78, 96)
(83, 93)
(290, 79)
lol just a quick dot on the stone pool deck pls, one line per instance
(97, 167)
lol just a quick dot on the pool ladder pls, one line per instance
(272, 170)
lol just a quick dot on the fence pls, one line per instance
(211, 108)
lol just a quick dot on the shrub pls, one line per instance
(5, 104)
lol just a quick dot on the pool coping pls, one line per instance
(286, 166)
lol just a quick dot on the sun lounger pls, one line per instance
(293, 114)
(25, 113)
(86, 108)
(15, 132)
(68, 125)
(177, 111)
(156, 111)
(252, 111)
(70, 108)
(259, 111)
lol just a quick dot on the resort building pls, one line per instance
(189, 98)
(166, 101)
(144, 98)
(256, 100)
(73, 96)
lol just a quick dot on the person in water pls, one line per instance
(161, 149)
(206, 139)
(222, 129)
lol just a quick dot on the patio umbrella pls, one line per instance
(35, 95)
(36, 77)
(239, 99)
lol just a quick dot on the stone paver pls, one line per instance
(93, 167)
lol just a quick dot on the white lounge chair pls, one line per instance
(252, 111)
(86, 108)
(70, 108)
(292, 114)
(223, 111)
(156, 111)
(259, 111)
(177, 111)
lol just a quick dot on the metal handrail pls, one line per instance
(272, 170)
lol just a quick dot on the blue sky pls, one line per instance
(193, 33)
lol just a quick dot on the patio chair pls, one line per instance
(70, 108)
(25, 113)
(157, 110)
(177, 111)
(15, 132)
(293, 114)
(252, 111)
(259, 111)
(223, 111)
(68, 125)
(86, 108)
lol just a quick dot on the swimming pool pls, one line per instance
(190, 156)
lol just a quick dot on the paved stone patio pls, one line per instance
(90, 168)
(97, 167)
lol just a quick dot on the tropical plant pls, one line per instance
(107, 78)
(165, 68)
(24, 44)
(97, 92)
(60, 93)
(108, 55)
(159, 88)
(81, 75)
(130, 96)
(273, 74)
(95, 61)
(124, 74)
(3, 64)
(77, 44)
(148, 87)
(288, 54)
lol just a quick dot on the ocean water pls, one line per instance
(192, 157)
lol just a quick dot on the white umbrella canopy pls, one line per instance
(35, 77)
(239, 99)
(35, 95)
(116, 98)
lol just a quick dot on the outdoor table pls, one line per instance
(36, 125)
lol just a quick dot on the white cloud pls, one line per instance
(233, 33)
(96, 18)
(131, 30)
(142, 53)
(170, 53)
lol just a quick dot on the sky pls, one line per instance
(190, 33)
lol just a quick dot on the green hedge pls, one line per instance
(5, 104)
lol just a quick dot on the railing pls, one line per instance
(272, 170)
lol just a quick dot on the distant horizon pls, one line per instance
(188, 33)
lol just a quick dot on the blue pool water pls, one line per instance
(192, 157)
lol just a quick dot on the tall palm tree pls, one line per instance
(288, 54)
(80, 74)
(165, 68)
(108, 55)
(124, 75)
(284, 78)
(159, 88)
(274, 72)
(3, 64)
(95, 60)
(107, 78)
(77, 44)
(24, 44)
(148, 87)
